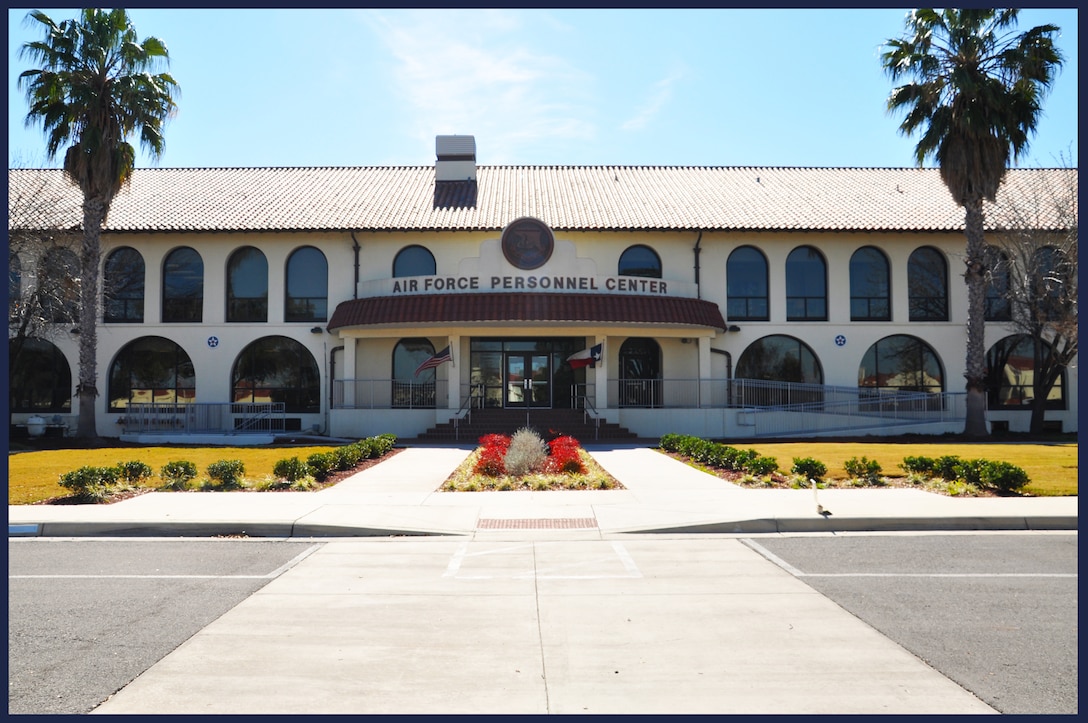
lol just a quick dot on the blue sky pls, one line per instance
(362, 87)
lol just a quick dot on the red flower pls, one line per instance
(495, 440)
(490, 462)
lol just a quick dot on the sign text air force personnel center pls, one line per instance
(719, 302)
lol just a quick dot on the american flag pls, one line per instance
(439, 358)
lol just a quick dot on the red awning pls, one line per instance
(554, 308)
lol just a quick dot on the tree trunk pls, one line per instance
(975, 276)
(94, 212)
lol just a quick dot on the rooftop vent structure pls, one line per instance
(456, 158)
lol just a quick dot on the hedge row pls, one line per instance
(988, 474)
(95, 484)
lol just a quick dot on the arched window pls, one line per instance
(151, 370)
(901, 362)
(1010, 370)
(277, 369)
(123, 287)
(183, 287)
(640, 261)
(307, 286)
(410, 389)
(927, 285)
(806, 285)
(58, 285)
(746, 285)
(1047, 279)
(41, 380)
(870, 295)
(640, 373)
(414, 261)
(780, 358)
(15, 285)
(785, 360)
(997, 288)
(247, 285)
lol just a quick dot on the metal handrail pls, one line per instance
(466, 406)
(586, 407)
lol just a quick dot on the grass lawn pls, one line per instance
(1052, 467)
(34, 476)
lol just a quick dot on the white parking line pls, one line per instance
(267, 576)
(755, 546)
(936, 574)
(138, 577)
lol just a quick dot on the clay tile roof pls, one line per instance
(590, 308)
(407, 198)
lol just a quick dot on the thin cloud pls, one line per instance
(475, 73)
(660, 95)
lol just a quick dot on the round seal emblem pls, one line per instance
(840, 340)
(527, 243)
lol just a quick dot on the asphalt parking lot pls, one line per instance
(857, 623)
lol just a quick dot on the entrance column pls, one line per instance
(453, 374)
(601, 375)
(348, 374)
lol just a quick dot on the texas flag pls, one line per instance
(586, 357)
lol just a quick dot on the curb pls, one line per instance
(754, 526)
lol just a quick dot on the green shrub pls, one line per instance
(227, 472)
(969, 470)
(762, 466)
(321, 464)
(381, 444)
(292, 469)
(347, 457)
(134, 472)
(669, 442)
(945, 467)
(918, 465)
(90, 483)
(809, 468)
(742, 459)
(365, 447)
(690, 446)
(527, 453)
(1003, 476)
(863, 469)
(714, 454)
(178, 474)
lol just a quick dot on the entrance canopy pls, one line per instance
(525, 308)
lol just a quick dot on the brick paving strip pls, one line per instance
(560, 523)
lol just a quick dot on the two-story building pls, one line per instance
(720, 302)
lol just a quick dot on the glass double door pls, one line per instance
(528, 380)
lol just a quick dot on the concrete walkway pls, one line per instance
(401, 496)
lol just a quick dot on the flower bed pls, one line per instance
(525, 462)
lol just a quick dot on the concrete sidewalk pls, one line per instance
(401, 497)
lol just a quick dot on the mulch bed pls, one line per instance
(333, 479)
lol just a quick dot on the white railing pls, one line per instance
(871, 409)
(389, 394)
(204, 418)
(776, 408)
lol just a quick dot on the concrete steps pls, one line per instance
(549, 423)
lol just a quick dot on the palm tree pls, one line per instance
(975, 96)
(95, 88)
